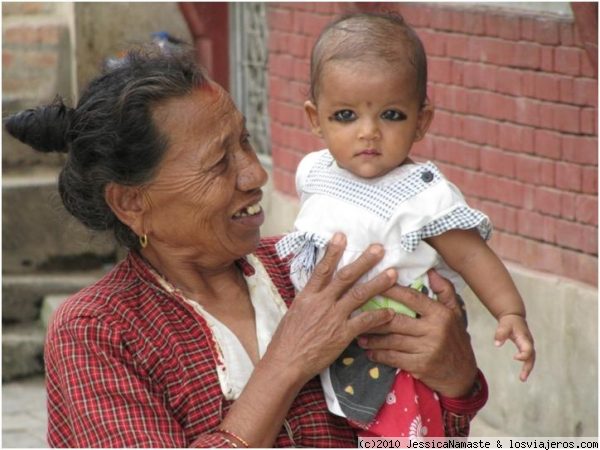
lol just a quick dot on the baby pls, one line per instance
(368, 101)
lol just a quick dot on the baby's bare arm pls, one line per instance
(465, 252)
(468, 254)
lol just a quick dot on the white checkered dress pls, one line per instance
(380, 200)
(460, 218)
(292, 243)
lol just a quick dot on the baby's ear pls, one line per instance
(425, 118)
(311, 112)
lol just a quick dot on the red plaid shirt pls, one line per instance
(131, 365)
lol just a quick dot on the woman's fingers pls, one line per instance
(366, 320)
(360, 293)
(400, 343)
(320, 324)
(409, 362)
(348, 275)
(444, 290)
(415, 300)
(434, 348)
(326, 267)
(422, 304)
(404, 325)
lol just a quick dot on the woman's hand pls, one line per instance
(435, 348)
(314, 331)
(318, 326)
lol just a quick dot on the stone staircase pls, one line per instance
(46, 254)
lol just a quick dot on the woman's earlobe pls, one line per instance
(127, 203)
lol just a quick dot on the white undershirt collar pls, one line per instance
(235, 366)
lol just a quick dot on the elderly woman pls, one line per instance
(197, 338)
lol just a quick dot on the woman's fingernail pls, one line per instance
(362, 342)
(391, 274)
(337, 238)
(376, 249)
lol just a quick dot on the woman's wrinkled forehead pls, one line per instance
(205, 105)
(199, 118)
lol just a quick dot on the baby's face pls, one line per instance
(369, 116)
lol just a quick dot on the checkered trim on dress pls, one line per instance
(460, 218)
(380, 200)
(304, 246)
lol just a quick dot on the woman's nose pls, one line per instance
(251, 174)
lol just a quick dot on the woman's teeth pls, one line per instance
(249, 211)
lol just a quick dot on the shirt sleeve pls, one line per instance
(99, 396)
(457, 413)
(437, 207)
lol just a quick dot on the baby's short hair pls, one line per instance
(368, 36)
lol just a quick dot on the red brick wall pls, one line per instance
(32, 40)
(515, 125)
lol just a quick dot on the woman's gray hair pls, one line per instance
(110, 135)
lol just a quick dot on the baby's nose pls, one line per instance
(369, 129)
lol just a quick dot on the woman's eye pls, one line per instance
(223, 160)
(391, 114)
(344, 115)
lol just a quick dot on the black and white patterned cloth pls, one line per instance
(460, 218)
(382, 200)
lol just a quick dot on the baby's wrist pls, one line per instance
(509, 315)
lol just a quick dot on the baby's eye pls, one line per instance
(392, 114)
(345, 115)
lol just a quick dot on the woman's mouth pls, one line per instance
(251, 216)
(251, 210)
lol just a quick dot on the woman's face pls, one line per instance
(204, 201)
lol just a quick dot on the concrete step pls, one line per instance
(24, 413)
(22, 350)
(49, 305)
(38, 235)
(23, 343)
(22, 295)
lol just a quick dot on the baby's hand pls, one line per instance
(514, 327)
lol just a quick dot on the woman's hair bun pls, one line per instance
(43, 128)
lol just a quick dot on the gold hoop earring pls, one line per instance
(144, 240)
